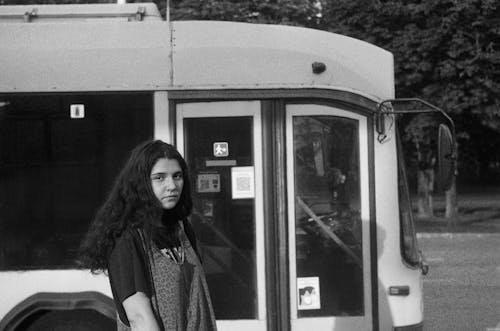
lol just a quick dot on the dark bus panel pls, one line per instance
(59, 155)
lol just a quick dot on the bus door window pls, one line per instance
(215, 148)
(327, 216)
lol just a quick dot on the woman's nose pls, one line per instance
(169, 183)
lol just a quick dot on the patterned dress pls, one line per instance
(181, 299)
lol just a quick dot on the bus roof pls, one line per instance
(133, 55)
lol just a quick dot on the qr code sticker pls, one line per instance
(243, 184)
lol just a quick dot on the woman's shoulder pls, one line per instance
(128, 249)
(128, 239)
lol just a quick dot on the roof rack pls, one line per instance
(81, 12)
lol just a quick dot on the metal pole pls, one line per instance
(167, 9)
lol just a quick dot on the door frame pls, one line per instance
(329, 323)
(237, 109)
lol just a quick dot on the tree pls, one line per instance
(446, 52)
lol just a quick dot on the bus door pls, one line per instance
(221, 142)
(328, 218)
(328, 238)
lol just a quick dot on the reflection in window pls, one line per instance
(327, 215)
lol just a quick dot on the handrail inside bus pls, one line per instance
(329, 233)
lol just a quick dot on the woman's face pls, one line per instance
(167, 182)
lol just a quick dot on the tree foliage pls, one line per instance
(445, 51)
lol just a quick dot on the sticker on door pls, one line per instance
(308, 293)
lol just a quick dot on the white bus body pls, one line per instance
(295, 108)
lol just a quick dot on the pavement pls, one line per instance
(462, 288)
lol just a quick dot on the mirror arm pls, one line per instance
(385, 108)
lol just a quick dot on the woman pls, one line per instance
(142, 238)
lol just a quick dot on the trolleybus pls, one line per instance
(301, 204)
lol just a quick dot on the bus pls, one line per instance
(301, 203)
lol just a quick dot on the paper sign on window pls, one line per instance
(242, 182)
(308, 293)
(207, 183)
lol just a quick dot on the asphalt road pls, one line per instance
(462, 288)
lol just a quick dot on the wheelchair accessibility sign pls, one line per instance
(221, 149)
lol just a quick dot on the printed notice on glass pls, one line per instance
(208, 183)
(308, 293)
(242, 182)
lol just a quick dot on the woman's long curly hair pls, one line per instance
(132, 204)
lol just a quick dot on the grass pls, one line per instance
(478, 211)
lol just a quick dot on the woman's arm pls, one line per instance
(139, 313)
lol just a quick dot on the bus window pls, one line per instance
(55, 169)
(326, 163)
(409, 246)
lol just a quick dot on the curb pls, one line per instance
(454, 235)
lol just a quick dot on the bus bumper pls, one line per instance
(414, 327)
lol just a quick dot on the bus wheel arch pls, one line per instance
(37, 308)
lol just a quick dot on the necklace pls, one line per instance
(176, 254)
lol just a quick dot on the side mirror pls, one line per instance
(446, 158)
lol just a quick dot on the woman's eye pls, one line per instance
(178, 176)
(158, 177)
